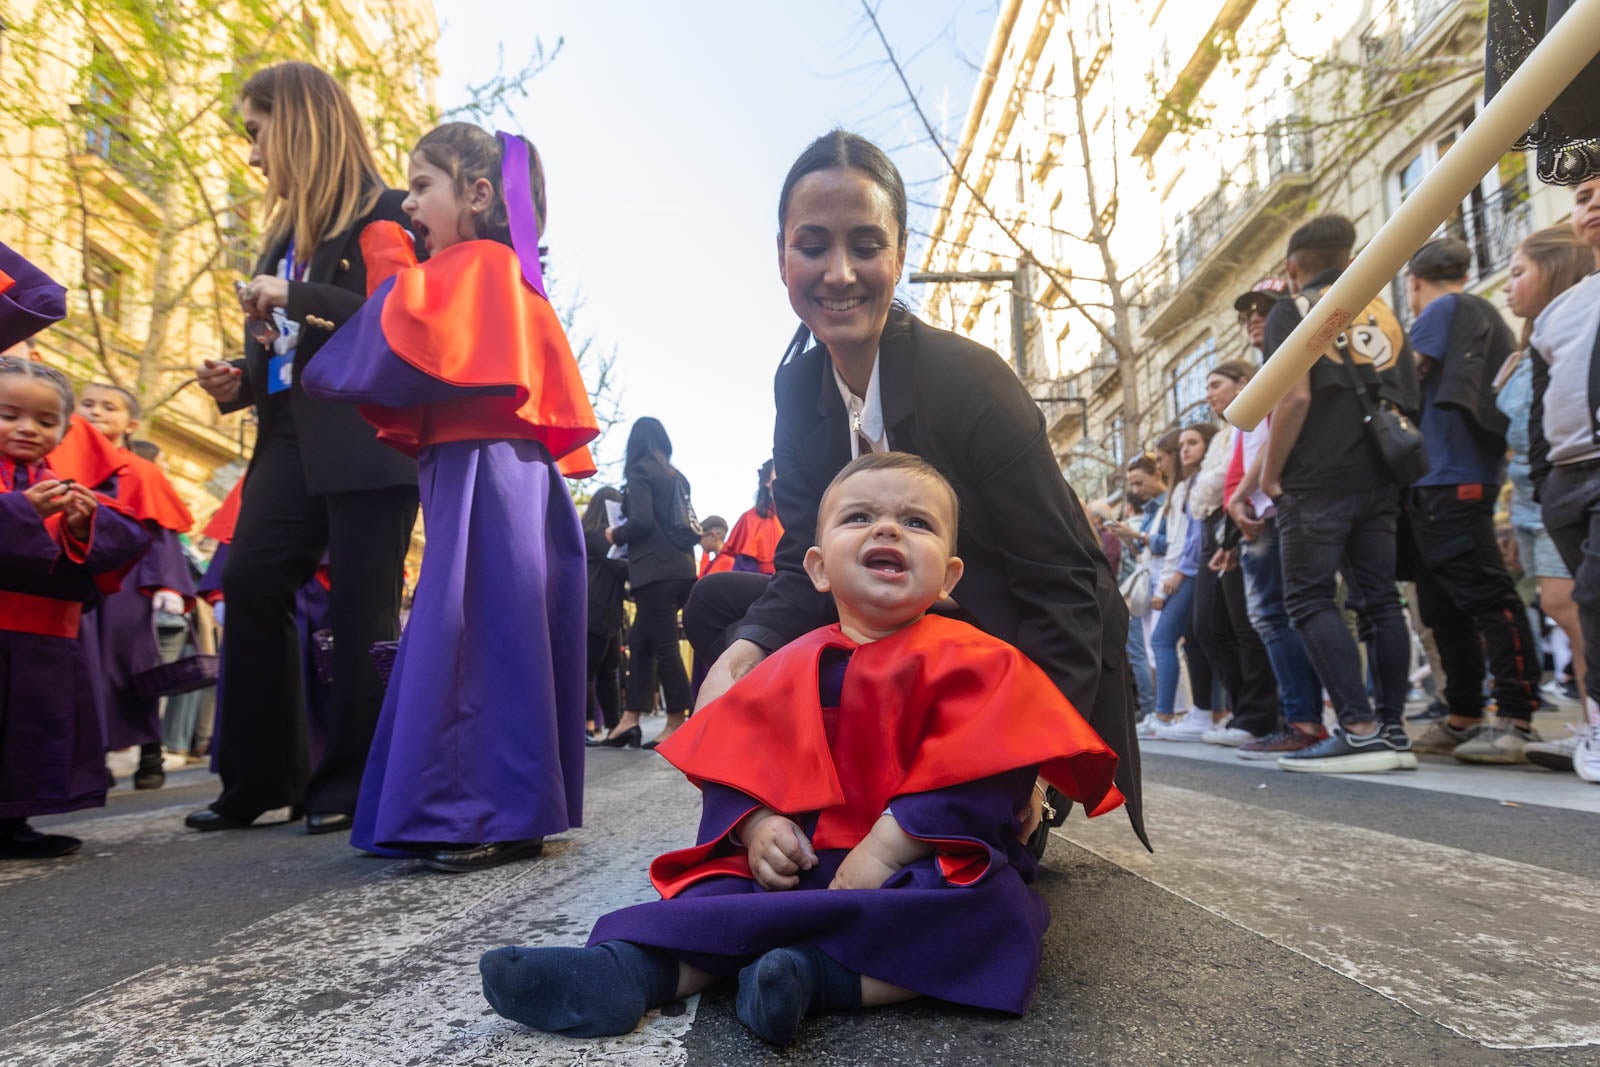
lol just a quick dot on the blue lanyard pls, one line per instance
(290, 273)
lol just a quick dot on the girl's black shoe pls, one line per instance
(629, 738)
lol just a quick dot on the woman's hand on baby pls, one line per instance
(738, 660)
(778, 849)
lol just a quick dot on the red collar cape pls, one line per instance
(467, 318)
(755, 537)
(143, 491)
(107, 582)
(716, 563)
(937, 704)
(220, 528)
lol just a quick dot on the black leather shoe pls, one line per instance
(26, 843)
(206, 819)
(628, 738)
(328, 822)
(210, 819)
(482, 857)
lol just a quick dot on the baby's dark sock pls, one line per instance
(600, 991)
(787, 984)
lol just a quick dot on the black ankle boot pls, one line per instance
(149, 775)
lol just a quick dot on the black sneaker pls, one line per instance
(1432, 713)
(1396, 735)
(1343, 753)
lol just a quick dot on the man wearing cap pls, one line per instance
(1464, 591)
(1255, 515)
(1338, 510)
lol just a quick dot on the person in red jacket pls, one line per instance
(861, 840)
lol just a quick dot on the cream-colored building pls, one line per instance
(130, 184)
(1211, 129)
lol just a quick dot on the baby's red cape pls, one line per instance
(466, 317)
(143, 491)
(937, 704)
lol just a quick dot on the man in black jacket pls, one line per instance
(1338, 507)
(1464, 591)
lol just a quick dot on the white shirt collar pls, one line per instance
(868, 409)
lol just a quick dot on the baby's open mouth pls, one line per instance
(885, 561)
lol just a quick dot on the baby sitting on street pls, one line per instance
(859, 837)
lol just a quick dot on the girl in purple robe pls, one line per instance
(462, 363)
(60, 547)
(120, 634)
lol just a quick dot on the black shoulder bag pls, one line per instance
(1396, 437)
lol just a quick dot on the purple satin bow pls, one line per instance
(523, 218)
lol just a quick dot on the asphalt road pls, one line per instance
(1452, 919)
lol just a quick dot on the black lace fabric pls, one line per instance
(1566, 137)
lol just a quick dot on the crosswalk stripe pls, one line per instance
(1500, 952)
(386, 971)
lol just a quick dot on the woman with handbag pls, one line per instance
(661, 572)
(319, 480)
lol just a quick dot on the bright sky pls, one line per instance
(666, 130)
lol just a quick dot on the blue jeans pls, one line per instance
(1353, 531)
(1177, 621)
(1139, 665)
(1263, 584)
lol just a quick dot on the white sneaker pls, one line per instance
(1556, 754)
(1192, 727)
(1556, 694)
(1586, 756)
(1228, 736)
(1146, 729)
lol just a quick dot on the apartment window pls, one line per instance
(105, 278)
(239, 252)
(103, 134)
(1492, 218)
(1187, 376)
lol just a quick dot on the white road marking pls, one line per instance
(385, 972)
(1501, 952)
(1519, 784)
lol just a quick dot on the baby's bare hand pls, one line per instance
(778, 851)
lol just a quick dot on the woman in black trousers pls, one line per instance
(319, 483)
(660, 574)
(880, 379)
(607, 580)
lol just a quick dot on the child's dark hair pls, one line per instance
(714, 523)
(895, 461)
(34, 369)
(468, 153)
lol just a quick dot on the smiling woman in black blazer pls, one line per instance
(319, 482)
(881, 379)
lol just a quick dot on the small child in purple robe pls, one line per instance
(860, 841)
(61, 548)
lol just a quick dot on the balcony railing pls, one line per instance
(1284, 156)
(1398, 27)
(1493, 228)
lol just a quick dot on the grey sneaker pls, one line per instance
(1344, 753)
(1441, 739)
(1500, 743)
